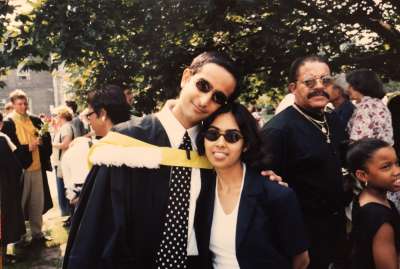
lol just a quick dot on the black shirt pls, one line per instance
(366, 222)
(298, 152)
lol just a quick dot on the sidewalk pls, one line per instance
(50, 256)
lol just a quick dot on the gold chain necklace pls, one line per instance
(317, 123)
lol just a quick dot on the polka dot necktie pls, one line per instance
(172, 251)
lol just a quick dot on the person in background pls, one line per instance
(12, 224)
(33, 152)
(376, 222)
(372, 118)
(340, 99)
(106, 107)
(77, 125)
(8, 108)
(63, 136)
(246, 220)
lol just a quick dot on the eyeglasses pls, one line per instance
(230, 136)
(325, 80)
(89, 114)
(218, 96)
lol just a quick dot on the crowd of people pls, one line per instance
(200, 185)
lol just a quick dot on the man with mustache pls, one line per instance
(304, 142)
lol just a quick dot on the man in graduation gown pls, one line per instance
(11, 217)
(33, 152)
(124, 216)
(304, 145)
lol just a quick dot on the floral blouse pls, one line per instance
(372, 119)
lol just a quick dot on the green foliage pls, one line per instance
(145, 44)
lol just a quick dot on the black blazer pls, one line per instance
(120, 216)
(270, 229)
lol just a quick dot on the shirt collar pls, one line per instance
(174, 128)
(17, 116)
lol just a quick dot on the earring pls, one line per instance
(366, 183)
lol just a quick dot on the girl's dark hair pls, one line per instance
(366, 82)
(112, 100)
(1, 117)
(361, 151)
(248, 127)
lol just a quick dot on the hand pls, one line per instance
(274, 177)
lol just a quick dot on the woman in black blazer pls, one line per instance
(245, 220)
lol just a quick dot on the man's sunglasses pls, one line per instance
(230, 136)
(218, 96)
(325, 80)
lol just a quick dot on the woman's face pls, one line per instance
(355, 95)
(221, 153)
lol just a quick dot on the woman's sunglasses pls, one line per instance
(218, 96)
(230, 136)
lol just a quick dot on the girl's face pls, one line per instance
(224, 152)
(383, 170)
(355, 95)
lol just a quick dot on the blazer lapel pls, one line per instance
(247, 205)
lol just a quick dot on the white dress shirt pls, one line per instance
(175, 132)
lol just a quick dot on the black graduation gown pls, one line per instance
(25, 156)
(118, 222)
(12, 220)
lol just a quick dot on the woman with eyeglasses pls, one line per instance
(245, 220)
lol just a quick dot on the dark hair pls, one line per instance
(297, 63)
(1, 117)
(361, 151)
(222, 60)
(248, 127)
(72, 105)
(366, 82)
(112, 100)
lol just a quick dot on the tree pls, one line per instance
(5, 11)
(146, 44)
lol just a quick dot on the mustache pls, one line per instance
(317, 93)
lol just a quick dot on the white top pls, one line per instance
(74, 164)
(223, 233)
(9, 142)
(175, 132)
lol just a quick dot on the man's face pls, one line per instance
(311, 96)
(98, 125)
(128, 96)
(202, 92)
(20, 105)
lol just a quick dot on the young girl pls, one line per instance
(376, 222)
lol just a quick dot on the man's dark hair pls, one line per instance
(222, 60)
(361, 151)
(296, 64)
(248, 127)
(366, 82)
(112, 100)
(72, 105)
